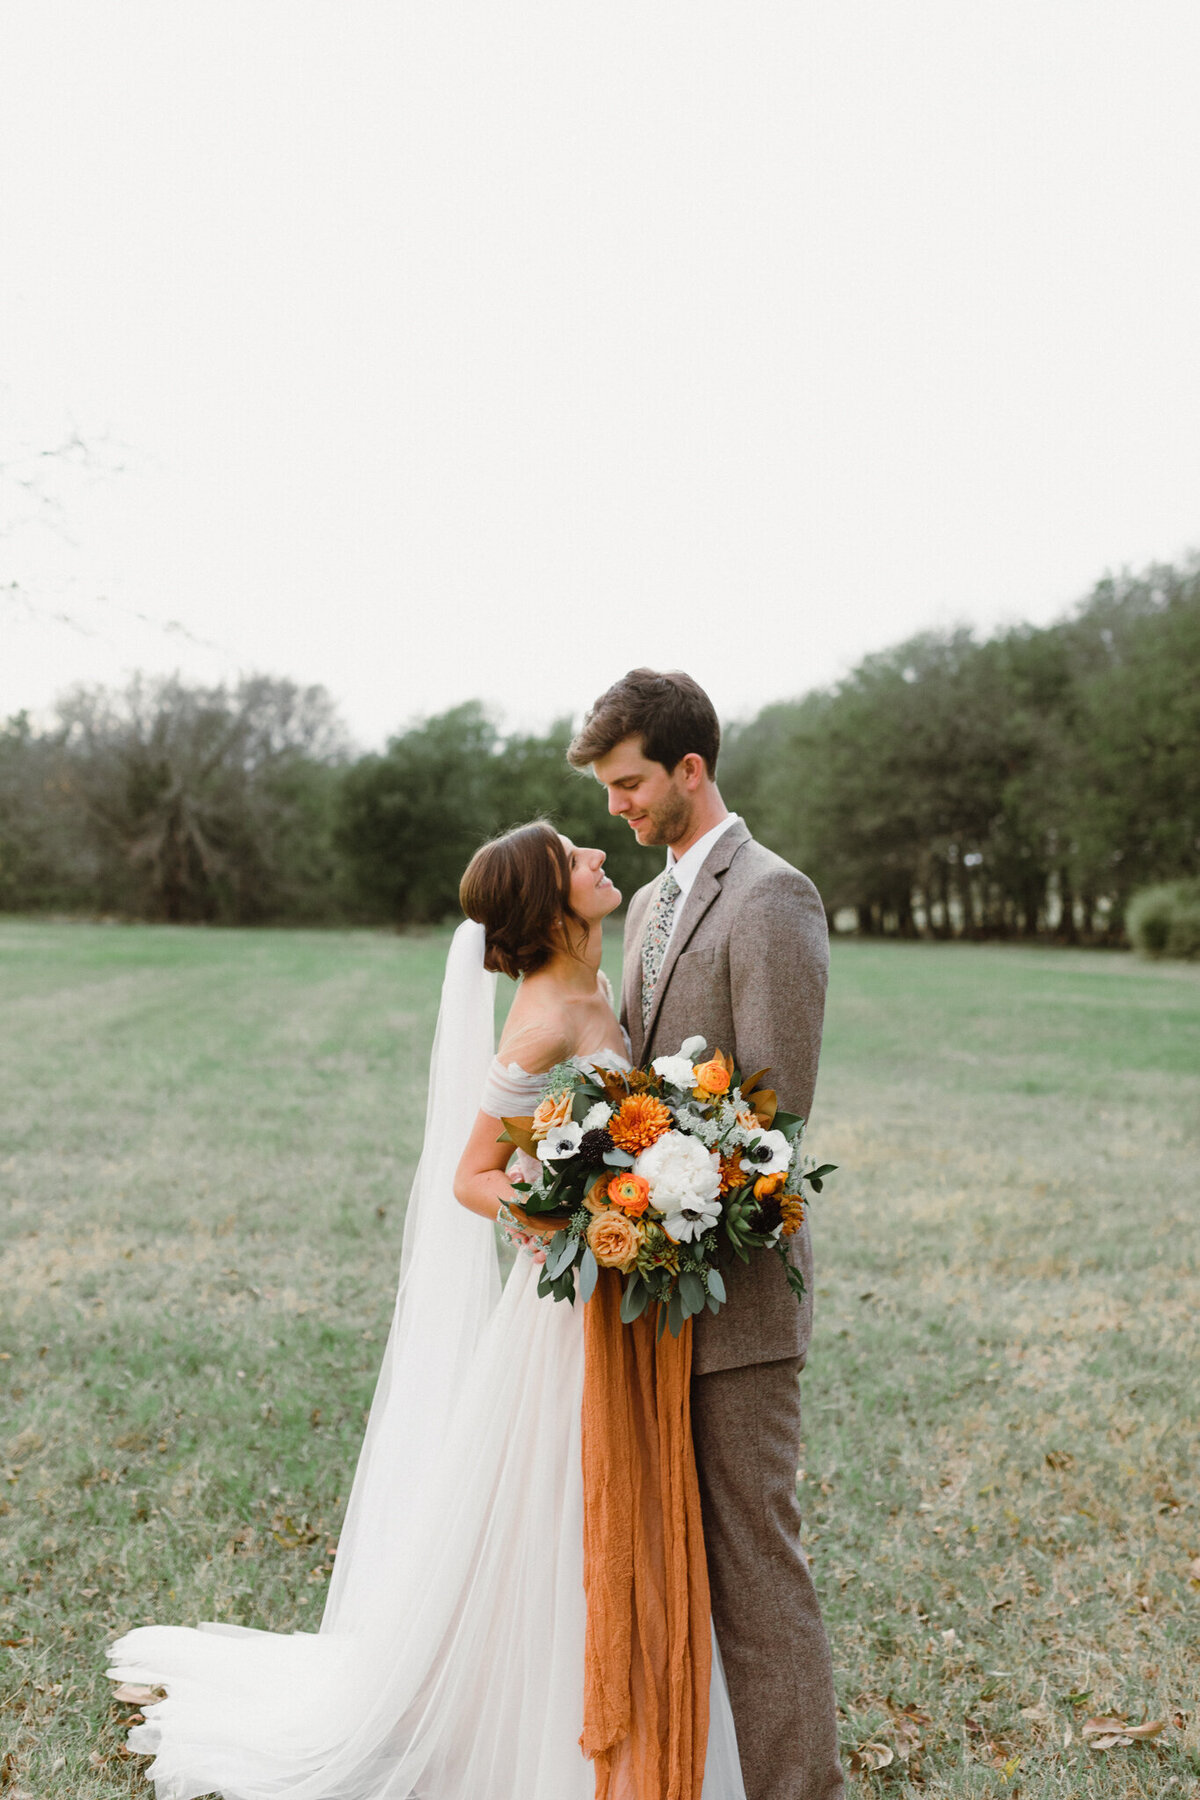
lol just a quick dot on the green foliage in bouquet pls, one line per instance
(665, 1175)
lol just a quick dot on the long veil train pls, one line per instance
(448, 1664)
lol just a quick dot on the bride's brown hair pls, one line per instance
(518, 887)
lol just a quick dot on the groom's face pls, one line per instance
(656, 806)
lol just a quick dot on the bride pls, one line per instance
(456, 1659)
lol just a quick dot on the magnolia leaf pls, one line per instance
(764, 1105)
(748, 1087)
(868, 1757)
(589, 1274)
(131, 1693)
(520, 1133)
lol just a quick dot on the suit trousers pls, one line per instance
(746, 1428)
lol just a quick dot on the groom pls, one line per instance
(730, 943)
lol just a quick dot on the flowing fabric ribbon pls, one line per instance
(648, 1651)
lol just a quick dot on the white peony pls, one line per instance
(596, 1117)
(677, 1070)
(685, 1180)
(770, 1155)
(562, 1140)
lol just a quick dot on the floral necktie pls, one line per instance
(654, 943)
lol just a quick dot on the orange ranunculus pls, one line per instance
(792, 1207)
(711, 1078)
(638, 1122)
(630, 1192)
(596, 1198)
(769, 1184)
(614, 1240)
(553, 1111)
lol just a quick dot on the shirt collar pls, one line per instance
(686, 867)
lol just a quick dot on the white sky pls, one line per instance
(455, 350)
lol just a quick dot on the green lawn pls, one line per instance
(205, 1143)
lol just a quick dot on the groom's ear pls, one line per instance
(694, 770)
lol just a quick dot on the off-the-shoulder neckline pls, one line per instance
(589, 1061)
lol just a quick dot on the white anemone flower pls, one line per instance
(562, 1141)
(596, 1117)
(691, 1221)
(770, 1154)
(677, 1071)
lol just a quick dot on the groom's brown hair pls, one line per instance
(670, 712)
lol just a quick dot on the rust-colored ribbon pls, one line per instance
(648, 1647)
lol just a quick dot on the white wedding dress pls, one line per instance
(449, 1662)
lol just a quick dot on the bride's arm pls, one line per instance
(480, 1183)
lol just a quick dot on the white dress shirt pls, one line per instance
(685, 868)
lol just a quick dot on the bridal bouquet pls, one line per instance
(665, 1174)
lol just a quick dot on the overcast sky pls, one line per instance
(431, 350)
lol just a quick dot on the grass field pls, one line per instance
(205, 1143)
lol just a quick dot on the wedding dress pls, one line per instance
(449, 1663)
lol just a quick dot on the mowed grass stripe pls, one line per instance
(205, 1143)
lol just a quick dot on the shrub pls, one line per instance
(1165, 920)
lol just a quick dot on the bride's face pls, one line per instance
(593, 895)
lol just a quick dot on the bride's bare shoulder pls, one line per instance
(536, 1034)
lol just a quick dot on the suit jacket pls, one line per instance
(746, 968)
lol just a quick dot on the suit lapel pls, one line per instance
(705, 889)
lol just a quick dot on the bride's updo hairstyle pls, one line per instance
(518, 887)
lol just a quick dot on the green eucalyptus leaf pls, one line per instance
(634, 1300)
(589, 1274)
(691, 1291)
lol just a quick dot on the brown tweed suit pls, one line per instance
(746, 968)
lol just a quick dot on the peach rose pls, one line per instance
(553, 1111)
(596, 1198)
(630, 1192)
(614, 1240)
(712, 1077)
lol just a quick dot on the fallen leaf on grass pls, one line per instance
(132, 1693)
(1059, 1459)
(8, 1769)
(1109, 1733)
(291, 1536)
(906, 1725)
(869, 1757)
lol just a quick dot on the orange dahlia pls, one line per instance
(639, 1123)
(769, 1184)
(733, 1173)
(792, 1207)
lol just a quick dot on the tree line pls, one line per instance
(1026, 784)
